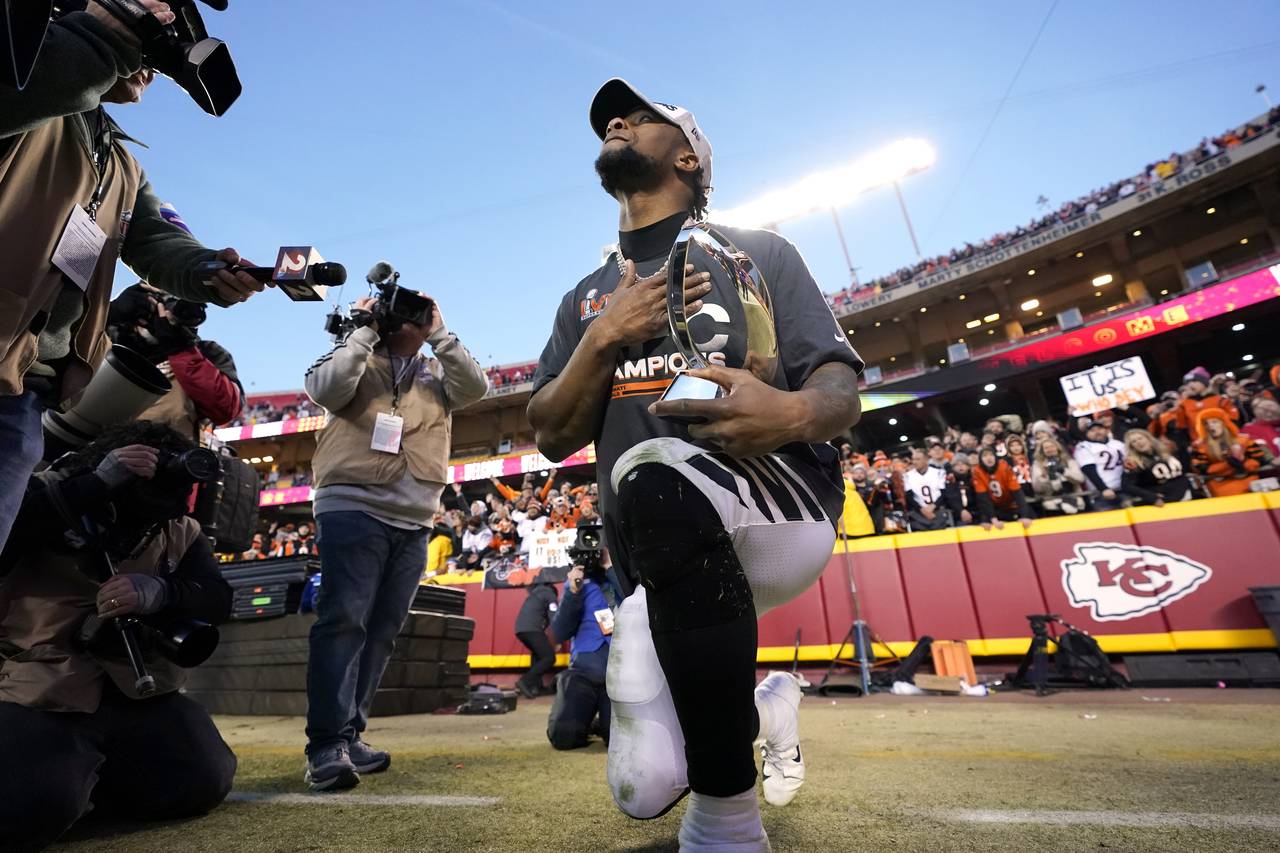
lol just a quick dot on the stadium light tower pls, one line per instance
(835, 188)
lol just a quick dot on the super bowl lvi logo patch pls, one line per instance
(1123, 581)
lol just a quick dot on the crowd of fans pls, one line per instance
(468, 534)
(503, 377)
(1213, 436)
(283, 539)
(1086, 204)
(271, 411)
(287, 479)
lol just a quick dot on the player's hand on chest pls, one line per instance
(637, 308)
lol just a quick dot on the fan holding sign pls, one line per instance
(1108, 386)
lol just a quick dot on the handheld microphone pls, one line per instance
(300, 272)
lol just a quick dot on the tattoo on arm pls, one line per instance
(832, 390)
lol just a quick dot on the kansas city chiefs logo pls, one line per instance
(1123, 581)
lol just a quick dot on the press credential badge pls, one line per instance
(387, 430)
(79, 247)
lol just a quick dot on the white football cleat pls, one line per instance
(782, 768)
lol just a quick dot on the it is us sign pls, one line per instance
(1107, 386)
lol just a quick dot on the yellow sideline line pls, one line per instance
(1250, 638)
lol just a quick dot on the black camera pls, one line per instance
(181, 51)
(184, 312)
(188, 643)
(133, 321)
(398, 305)
(197, 465)
(588, 548)
(393, 307)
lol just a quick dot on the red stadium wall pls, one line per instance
(1175, 578)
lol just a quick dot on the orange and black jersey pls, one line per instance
(1000, 485)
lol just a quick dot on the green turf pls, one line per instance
(880, 772)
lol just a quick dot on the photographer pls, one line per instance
(74, 731)
(72, 200)
(380, 467)
(531, 631)
(585, 618)
(164, 329)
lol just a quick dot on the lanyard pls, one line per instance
(397, 377)
(101, 133)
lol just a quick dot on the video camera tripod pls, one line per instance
(1033, 671)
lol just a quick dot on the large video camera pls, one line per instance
(393, 307)
(181, 51)
(588, 548)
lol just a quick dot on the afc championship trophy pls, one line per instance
(761, 355)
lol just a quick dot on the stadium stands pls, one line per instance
(846, 299)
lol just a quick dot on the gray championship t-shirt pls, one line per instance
(808, 337)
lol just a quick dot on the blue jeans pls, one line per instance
(369, 572)
(21, 446)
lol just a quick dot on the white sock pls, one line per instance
(723, 824)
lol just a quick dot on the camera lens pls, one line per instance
(199, 464)
(186, 313)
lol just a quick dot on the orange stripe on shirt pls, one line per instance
(636, 389)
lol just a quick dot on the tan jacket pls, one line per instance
(343, 454)
(52, 164)
(43, 603)
(353, 382)
(46, 167)
(176, 410)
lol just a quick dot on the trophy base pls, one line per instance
(686, 387)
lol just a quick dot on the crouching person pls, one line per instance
(585, 616)
(76, 733)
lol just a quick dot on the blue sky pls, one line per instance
(451, 139)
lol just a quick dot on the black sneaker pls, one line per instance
(367, 759)
(330, 769)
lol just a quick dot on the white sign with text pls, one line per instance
(551, 549)
(1107, 386)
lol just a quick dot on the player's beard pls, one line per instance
(626, 170)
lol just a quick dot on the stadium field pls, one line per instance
(1143, 770)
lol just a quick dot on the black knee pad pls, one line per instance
(678, 548)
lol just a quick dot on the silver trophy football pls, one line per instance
(761, 356)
